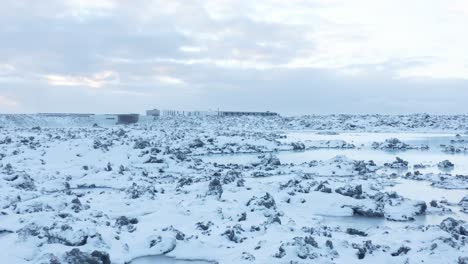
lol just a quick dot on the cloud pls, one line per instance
(8, 102)
(96, 80)
(190, 49)
(169, 80)
(125, 92)
(438, 70)
(230, 48)
(86, 9)
(6, 69)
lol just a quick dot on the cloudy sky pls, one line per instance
(294, 57)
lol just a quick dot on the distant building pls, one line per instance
(154, 112)
(174, 113)
(237, 113)
(187, 113)
(125, 119)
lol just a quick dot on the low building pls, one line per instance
(154, 112)
(187, 113)
(238, 113)
(168, 113)
(125, 119)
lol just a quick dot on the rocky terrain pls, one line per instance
(311, 189)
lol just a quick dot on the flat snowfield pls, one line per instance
(310, 189)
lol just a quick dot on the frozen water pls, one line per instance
(364, 152)
(422, 190)
(74, 192)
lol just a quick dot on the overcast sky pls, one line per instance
(294, 57)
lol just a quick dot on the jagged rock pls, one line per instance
(231, 176)
(266, 201)
(234, 234)
(367, 212)
(297, 186)
(323, 187)
(305, 247)
(179, 235)
(108, 167)
(123, 221)
(184, 181)
(420, 166)
(390, 205)
(136, 191)
(329, 244)
(75, 256)
(30, 230)
(391, 144)
(121, 133)
(154, 159)
(366, 248)
(215, 188)
(445, 165)
(361, 253)
(76, 205)
(240, 183)
(141, 144)
(271, 160)
(464, 204)
(422, 207)
(298, 146)
(23, 181)
(281, 252)
(274, 219)
(356, 232)
(65, 235)
(363, 167)
(247, 256)
(351, 191)
(6, 140)
(127, 223)
(98, 144)
(204, 227)
(180, 156)
(401, 251)
(260, 174)
(243, 217)
(160, 244)
(398, 164)
(454, 227)
(454, 149)
(155, 151)
(197, 143)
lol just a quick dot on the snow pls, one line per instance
(233, 190)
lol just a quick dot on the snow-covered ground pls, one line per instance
(311, 189)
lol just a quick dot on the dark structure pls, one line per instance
(232, 113)
(125, 119)
(154, 112)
